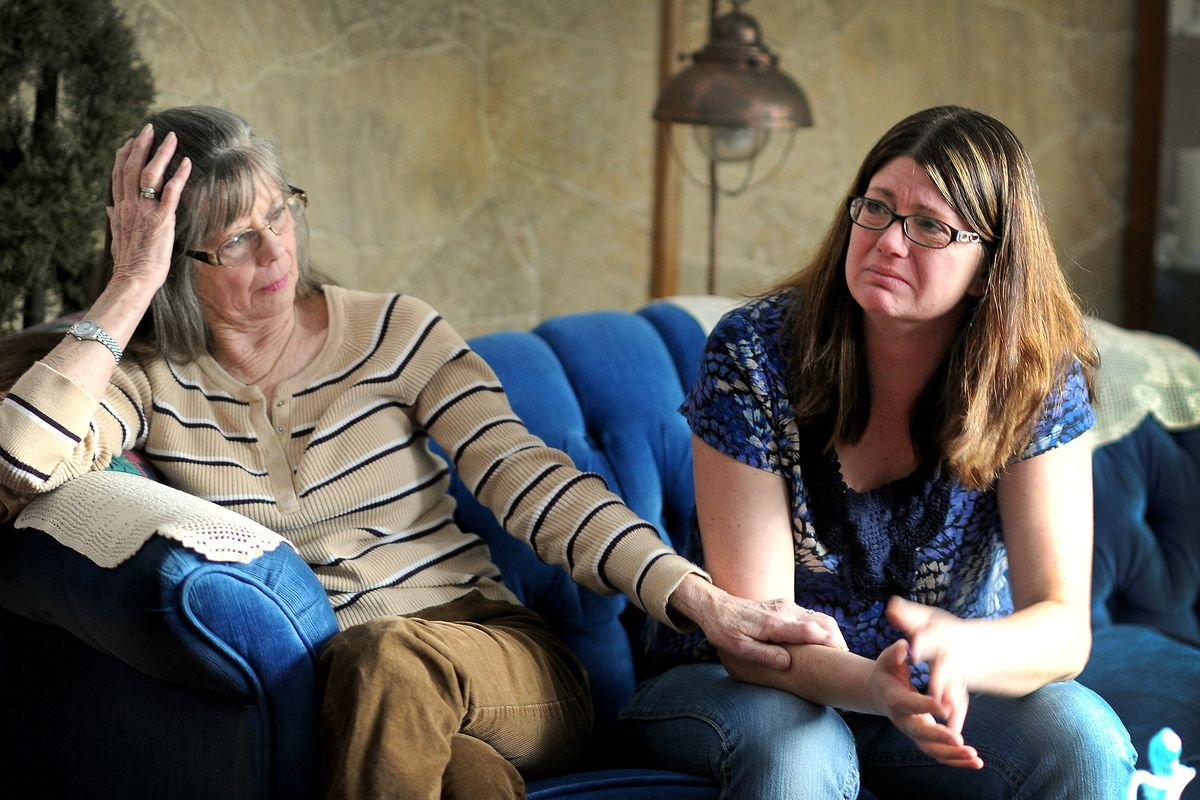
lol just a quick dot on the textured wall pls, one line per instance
(495, 156)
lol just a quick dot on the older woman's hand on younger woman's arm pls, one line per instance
(753, 630)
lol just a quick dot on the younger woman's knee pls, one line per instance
(1074, 741)
(1075, 714)
(1102, 738)
(758, 742)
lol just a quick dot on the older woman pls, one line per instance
(214, 350)
(896, 437)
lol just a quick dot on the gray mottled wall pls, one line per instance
(495, 156)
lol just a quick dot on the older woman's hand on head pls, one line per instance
(753, 630)
(142, 228)
(142, 215)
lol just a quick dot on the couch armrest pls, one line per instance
(246, 631)
(237, 639)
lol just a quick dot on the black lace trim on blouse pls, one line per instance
(877, 533)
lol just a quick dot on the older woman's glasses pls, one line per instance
(242, 247)
(925, 231)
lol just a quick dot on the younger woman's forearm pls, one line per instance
(819, 674)
(1018, 654)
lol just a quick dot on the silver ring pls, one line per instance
(149, 192)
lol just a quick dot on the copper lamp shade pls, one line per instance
(734, 82)
(734, 96)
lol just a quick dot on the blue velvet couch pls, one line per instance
(174, 677)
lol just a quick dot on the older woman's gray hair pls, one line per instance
(228, 162)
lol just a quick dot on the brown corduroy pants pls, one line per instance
(458, 703)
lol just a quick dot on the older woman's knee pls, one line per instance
(385, 652)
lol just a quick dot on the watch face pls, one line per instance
(85, 327)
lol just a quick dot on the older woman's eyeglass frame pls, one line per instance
(213, 257)
(857, 203)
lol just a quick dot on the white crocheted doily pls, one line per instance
(1143, 373)
(108, 516)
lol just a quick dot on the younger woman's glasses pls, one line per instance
(925, 231)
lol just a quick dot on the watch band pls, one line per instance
(87, 331)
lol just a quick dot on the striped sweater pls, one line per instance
(341, 463)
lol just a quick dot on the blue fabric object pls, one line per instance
(588, 623)
(625, 784)
(241, 638)
(1147, 564)
(602, 387)
(174, 677)
(621, 371)
(1146, 586)
(683, 337)
(1153, 682)
(80, 723)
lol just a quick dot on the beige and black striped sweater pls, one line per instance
(341, 464)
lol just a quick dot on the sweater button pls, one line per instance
(279, 429)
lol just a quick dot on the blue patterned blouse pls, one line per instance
(923, 537)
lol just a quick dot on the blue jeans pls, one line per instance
(1062, 741)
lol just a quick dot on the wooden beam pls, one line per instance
(664, 232)
(1144, 164)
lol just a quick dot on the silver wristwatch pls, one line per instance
(87, 331)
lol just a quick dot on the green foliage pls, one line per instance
(72, 88)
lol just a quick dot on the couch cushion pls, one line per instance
(1146, 567)
(629, 391)
(684, 329)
